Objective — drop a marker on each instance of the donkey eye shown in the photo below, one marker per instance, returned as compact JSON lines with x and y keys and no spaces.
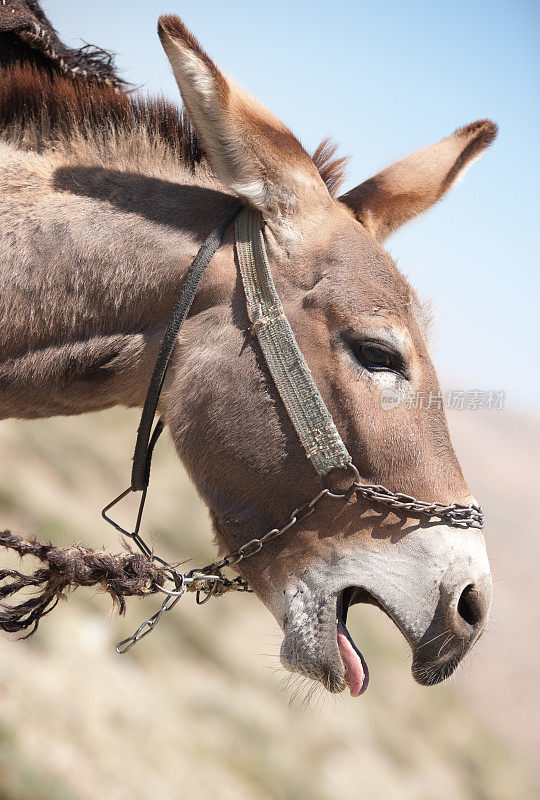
{"x":374,"y":357}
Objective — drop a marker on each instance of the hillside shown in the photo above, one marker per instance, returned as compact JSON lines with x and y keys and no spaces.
{"x":499,"y":453}
{"x":201,"y":708}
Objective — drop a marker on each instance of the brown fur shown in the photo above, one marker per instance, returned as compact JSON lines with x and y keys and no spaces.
{"x":331,"y":169}
{"x":172,"y":26}
{"x":97,"y":230}
{"x":55,"y":107}
{"x":27,"y":36}
{"x":390,"y":199}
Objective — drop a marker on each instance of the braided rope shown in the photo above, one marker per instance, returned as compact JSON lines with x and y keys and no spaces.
{"x":64,"y":569}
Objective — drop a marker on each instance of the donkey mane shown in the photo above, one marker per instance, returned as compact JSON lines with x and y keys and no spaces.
{"x":39,"y":108}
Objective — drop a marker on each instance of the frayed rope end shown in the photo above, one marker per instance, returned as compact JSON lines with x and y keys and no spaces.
{"x":64,"y":569}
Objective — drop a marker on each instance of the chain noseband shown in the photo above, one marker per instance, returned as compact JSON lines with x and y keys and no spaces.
{"x":303,"y":402}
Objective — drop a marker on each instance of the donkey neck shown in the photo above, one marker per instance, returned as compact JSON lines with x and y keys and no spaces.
{"x":91,"y":271}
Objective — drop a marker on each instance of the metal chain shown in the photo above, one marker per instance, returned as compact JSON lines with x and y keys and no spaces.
{"x":209,"y":581}
{"x":466,"y":516}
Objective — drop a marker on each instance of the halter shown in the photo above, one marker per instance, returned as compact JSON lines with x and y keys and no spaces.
{"x":308,"y":413}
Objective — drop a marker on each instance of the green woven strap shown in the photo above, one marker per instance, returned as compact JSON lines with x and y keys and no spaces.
{"x":294,"y":382}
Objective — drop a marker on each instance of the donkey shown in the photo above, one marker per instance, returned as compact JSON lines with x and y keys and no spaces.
{"x":105,"y":199}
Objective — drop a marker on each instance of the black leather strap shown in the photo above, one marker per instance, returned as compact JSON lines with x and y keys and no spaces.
{"x":146,"y":439}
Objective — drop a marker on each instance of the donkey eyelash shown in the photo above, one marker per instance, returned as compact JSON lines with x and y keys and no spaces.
{"x":377,"y":356}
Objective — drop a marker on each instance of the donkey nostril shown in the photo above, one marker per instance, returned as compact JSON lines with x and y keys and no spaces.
{"x":470,"y":606}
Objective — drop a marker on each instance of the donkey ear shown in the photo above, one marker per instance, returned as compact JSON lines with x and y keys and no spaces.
{"x":409,"y":187}
{"x":251,"y":152}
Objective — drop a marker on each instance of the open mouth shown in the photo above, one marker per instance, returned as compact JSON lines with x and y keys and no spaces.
{"x":356,"y":669}
{"x":318,"y":644}
{"x":354,"y":663}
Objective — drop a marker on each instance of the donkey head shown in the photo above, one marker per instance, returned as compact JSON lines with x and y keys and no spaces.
{"x":362,"y":330}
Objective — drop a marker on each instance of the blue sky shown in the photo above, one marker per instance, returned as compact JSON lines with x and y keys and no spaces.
{"x":385,"y":79}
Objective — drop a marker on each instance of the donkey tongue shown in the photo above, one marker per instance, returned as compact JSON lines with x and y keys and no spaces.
{"x":356,"y":671}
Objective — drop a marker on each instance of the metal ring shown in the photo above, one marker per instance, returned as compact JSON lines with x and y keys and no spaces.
{"x":170,"y":593}
{"x":125,"y":645}
{"x":202,"y":576}
{"x":342,"y":495}
{"x":208,"y":593}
